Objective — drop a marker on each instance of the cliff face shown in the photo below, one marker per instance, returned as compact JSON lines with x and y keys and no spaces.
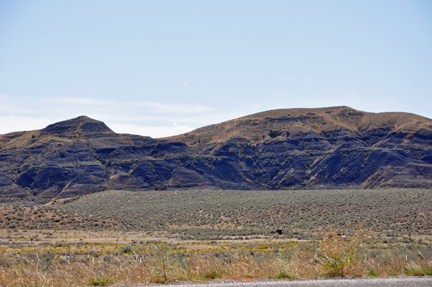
{"x":281,"y":149}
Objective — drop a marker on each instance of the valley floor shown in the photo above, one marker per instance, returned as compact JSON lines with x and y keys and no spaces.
{"x":201,"y":235}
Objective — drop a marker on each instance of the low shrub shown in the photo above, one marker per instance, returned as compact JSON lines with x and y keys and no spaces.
{"x":100,"y":281}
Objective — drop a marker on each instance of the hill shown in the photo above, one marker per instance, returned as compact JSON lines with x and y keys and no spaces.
{"x":322,"y":148}
{"x":336,"y":147}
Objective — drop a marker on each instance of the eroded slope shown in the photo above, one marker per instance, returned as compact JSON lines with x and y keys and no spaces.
{"x":335,"y":147}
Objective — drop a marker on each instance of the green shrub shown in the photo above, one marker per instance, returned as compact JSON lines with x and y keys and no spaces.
{"x":274,"y":134}
{"x":126,"y":249}
{"x":100,"y":281}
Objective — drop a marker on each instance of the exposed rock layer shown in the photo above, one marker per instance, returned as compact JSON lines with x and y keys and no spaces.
{"x":335,"y":147}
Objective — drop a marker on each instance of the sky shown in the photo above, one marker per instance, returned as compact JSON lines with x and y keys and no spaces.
{"x":160,"y":68}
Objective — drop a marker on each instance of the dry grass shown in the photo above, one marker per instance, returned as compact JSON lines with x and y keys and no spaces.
{"x":298,"y":121}
{"x":340,"y":253}
{"x":193,"y":267}
{"x":330,"y":256}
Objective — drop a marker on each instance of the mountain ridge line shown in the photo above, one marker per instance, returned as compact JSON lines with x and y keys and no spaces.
{"x":307,"y":148}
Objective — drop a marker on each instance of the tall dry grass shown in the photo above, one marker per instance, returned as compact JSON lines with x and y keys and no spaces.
{"x":340,"y":252}
{"x":98,"y":271}
{"x":330,"y":256}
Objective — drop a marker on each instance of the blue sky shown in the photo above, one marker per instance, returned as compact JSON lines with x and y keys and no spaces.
{"x":161,"y":68}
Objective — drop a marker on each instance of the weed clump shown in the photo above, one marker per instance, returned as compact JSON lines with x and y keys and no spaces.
{"x":100,"y":281}
{"x":126,"y":250}
{"x":282,"y":275}
{"x":212,"y":274}
{"x":340,"y":252}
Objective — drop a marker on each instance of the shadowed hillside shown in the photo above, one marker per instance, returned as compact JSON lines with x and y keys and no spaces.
{"x":322,"y":148}
{"x":335,"y":147}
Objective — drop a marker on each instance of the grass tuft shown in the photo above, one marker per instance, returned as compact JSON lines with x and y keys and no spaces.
{"x":282,"y":275}
{"x":100,"y":281}
{"x":212,"y":274}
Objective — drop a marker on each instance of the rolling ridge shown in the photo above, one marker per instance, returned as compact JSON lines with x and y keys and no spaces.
{"x":324,"y":148}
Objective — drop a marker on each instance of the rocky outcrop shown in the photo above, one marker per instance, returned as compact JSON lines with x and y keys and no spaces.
{"x":335,"y":147}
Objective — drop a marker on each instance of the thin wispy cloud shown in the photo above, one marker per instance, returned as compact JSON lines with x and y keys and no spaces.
{"x":11,"y":123}
{"x":176,"y":108}
{"x":148,"y":118}
{"x":172,"y":108}
{"x":80,"y":101}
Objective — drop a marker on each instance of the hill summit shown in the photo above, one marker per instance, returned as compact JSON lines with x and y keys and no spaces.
{"x":77,"y":126}
{"x":334,"y":147}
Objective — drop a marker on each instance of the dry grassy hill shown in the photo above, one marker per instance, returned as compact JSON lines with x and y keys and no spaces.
{"x":336,"y":147}
{"x":334,"y":122}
